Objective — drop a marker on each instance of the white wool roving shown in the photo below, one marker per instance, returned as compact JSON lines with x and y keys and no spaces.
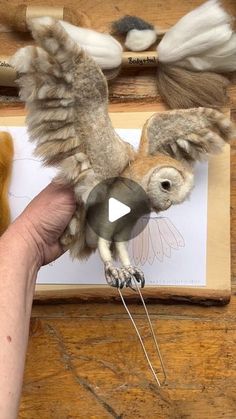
{"x":104,"y":49}
{"x":205,"y":27}
{"x":139,"y":40}
{"x":221,"y":58}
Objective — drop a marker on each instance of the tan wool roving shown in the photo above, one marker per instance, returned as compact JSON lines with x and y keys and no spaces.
{"x":6,"y":159}
{"x":17,"y":17}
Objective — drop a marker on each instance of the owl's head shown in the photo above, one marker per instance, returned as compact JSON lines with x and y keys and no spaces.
{"x":171,"y":143}
{"x":168,"y":185}
{"x":165,"y":180}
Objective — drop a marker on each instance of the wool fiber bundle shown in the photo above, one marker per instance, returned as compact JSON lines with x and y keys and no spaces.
{"x":191,"y":59}
{"x":6,"y":159}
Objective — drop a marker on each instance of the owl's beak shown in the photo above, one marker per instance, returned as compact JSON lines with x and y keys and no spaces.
{"x":164,"y":207}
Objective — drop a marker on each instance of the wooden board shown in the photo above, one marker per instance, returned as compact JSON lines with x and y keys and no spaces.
{"x":218,"y":288}
{"x":83,"y":359}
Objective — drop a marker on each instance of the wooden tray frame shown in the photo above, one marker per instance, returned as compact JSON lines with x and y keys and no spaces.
{"x":218,"y":288}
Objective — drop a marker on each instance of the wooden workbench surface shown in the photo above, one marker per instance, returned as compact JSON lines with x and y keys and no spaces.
{"x":84,"y":361}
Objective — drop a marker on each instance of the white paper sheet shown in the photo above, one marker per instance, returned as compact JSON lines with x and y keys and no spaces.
{"x":170,"y":251}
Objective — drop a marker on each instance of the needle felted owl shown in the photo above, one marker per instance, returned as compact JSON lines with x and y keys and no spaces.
{"x":67,"y":100}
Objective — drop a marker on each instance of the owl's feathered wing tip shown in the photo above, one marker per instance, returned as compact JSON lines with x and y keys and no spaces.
{"x":188,"y":135}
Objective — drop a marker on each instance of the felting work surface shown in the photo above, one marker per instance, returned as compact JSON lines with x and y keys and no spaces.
{"x":180,"y":258}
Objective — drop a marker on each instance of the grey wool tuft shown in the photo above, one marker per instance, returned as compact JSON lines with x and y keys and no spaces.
{"x":127,"y":23}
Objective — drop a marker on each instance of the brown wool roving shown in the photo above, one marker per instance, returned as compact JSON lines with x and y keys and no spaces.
{"x":16,"y":17}
{"x":181,"y":88}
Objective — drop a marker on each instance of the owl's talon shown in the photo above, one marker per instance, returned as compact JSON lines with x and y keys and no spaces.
{"x":114,"y":276}
{"x":120,"y":277}
{"x":130,"y":285}
{"x":134,"y":273}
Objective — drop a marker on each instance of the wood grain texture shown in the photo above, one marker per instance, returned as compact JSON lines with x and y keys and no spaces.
{"x":84,"y":360}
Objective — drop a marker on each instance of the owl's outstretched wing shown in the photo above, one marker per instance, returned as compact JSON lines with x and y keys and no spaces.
{"x":187,"y":135}
{"x":67,"y":99}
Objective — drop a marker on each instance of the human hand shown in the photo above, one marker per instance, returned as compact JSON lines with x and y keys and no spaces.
{"x":44,"y":220}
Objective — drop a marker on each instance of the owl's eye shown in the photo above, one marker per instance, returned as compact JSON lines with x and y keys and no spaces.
{"x":166,"y":185}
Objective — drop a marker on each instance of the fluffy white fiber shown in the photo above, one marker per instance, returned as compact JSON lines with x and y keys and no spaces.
{"x":139,"y":40}
{"x":220,"y":59}
{"x":204,"y":28}
{"x":104,"y":49}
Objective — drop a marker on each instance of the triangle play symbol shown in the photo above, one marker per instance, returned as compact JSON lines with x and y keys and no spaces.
{"x":116,"y":209}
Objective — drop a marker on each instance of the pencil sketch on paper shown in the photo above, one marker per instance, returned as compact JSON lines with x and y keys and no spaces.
{"x":158,"y":239}
{"x":29,"y":177}
{"x":19,"y":167}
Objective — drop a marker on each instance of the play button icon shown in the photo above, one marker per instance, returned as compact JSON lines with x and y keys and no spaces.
{"x":116,"y":209}
{"x":115,"y":206}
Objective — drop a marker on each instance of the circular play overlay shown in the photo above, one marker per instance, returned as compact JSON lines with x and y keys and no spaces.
{"x":114,"y":207}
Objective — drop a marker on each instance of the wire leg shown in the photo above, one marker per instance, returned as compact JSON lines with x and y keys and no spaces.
{"x":140,"y":338}
{"x":152,"y":331}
